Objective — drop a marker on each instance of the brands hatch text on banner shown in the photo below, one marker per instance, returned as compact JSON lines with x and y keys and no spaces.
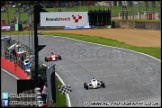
{"x":64,"y":18}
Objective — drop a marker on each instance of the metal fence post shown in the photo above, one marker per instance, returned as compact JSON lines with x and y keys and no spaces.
{"x":160,"y":13}
{"x":32,"y":36}
{"x":29,"y":26}
{"x":146,"y":3}
{"x":49,"y":96}
{"x":133,"y":10}
{"x":153,"y":10}
{"x":139,"y":8}
{"x":122,"y":13}
{"x":18,"y":18}
{"x":76,"y":6}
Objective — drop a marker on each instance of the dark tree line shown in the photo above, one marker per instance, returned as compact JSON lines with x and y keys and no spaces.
{"x":46,"y":2}
{"x":22,"y":2}
{"x":30,"y":2}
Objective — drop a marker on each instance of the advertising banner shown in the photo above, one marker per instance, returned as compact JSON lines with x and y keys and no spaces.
{"x":5,"y":27}
{"x":64,"y":19}
{"x":3,"y":22}
{"x":76,"y":27}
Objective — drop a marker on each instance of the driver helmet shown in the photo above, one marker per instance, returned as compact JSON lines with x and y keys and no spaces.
{"x":52,"y":53}
{"x":93,"y":79}
{"x":39,"y":76}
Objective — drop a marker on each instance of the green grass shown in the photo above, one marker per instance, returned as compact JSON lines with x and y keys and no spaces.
{"x":60,"y":99}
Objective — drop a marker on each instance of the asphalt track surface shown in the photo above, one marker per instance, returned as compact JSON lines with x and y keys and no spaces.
{"x":8,"y":82}
{"x":129,"y":76}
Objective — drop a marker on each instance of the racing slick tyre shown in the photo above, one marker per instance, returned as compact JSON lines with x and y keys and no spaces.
{"x":102,"y":84}
{"x":86,"y":86}
{"x":59,"y":57}
{"x":46,"y":59}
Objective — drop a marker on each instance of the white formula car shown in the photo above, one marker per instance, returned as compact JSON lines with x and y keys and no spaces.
{"x":93,"y":84}
{"x":3,"y":38}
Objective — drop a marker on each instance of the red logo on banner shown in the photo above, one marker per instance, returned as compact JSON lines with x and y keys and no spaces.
{"x":76,"y":19}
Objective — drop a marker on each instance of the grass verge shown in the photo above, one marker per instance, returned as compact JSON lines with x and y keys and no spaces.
{"x":60,"y":99}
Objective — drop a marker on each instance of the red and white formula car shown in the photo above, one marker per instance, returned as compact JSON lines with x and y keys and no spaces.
{"x":52,"y":57}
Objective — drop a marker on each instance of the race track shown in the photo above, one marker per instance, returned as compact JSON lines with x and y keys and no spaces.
{"x":8,"y":83}
{"x":128,"y":76}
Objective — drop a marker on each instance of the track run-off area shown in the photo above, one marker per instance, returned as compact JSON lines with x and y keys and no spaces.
{"x":129,"y":76}
{"x":8,"y":82}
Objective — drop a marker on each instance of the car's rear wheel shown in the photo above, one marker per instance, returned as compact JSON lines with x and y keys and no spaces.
{"x":102,"y":84}
{"x":59,"y":57}
{"x":86,"y":86}
{"x":46,"y":59}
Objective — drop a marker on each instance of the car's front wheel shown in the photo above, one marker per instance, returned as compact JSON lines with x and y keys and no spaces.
{"x":46,"y":59}
{"x":102,"y":84}
{"x":86,"y":86}
{"x":59,"y":57}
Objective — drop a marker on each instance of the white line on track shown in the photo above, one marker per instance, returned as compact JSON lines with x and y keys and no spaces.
{"x":67,"y":95}
{"x":10,"y":74}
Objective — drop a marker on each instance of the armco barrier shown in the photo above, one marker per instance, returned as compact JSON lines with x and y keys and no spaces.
{"x":13,"y":68}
